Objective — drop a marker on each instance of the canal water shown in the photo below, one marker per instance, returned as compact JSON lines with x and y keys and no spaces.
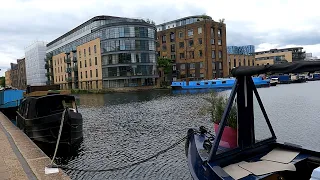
{"x":123,"y":128}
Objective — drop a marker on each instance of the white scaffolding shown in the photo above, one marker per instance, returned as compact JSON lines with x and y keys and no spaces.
{"x":35,"y":63}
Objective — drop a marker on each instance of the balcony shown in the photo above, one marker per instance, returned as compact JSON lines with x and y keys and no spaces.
{"x":67,"y":60}
{"x":74,"y":59}
{"x":68,"y":70}
{"x":75,"y":68}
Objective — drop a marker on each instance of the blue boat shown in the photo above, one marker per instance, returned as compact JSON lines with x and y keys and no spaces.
{"x":223,"y":83}
{"x":240,"y":150}
{"x":10,"y":98}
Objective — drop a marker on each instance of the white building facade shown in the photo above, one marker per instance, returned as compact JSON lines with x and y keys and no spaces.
{"x":35,"y":64}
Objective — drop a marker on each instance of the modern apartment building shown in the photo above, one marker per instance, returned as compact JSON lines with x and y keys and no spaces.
{"x":275,"y":56}
{"x":104,"y":52}
{"x":18,"y":74}
{"x":197,"y":46}
{"x":8,"y":77}
{"x":240,"y":56}
{"x":35,"y":66}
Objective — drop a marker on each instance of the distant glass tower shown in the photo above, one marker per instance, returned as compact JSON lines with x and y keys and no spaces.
{"x":245,"y":50}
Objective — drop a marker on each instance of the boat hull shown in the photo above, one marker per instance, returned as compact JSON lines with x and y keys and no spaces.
{"x":215,"y":84}
{"x":46,"y":129}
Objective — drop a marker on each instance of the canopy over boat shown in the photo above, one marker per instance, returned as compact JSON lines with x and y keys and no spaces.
{"x":294,"y":67}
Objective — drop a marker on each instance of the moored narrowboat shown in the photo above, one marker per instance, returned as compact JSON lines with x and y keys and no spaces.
{"x":40,"y":119}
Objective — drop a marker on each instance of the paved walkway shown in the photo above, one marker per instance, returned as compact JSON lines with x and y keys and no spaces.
{"x":20,"y":158}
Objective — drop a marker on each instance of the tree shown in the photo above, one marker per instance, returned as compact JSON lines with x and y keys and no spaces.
{"x":2,"y":81}
{"x":166,"y":64}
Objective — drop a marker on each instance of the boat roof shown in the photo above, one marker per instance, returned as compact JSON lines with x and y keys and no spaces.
{"x":51,"y":96}
{"x":294,"y":67}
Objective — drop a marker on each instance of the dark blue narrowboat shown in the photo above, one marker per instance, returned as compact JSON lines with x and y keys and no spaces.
{"x":254,"y":156}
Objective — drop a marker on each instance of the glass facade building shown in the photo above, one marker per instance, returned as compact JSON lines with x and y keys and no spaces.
{"x":128,"y":51}
{"x":244,"y":50}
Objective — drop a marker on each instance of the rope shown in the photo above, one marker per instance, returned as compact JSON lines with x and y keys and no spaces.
{"x":129,"y":165}
{"x":59,"y":136}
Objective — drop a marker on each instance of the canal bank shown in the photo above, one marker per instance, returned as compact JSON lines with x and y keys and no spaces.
{"x":20,"y":158}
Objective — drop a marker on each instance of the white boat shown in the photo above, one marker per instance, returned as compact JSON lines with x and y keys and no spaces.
{"x":274,"y":81}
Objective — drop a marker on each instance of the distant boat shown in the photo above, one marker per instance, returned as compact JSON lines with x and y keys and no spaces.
{"x":223,"y":83}
{"x":40,"y":119}
{"x":274,"y":81}
{"x":10,"y":98}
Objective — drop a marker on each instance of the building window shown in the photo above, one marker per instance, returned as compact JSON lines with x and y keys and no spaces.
{"x":61,"y":68}
{"x":181,"y":44}
{"x":199,"y":30}
{"x":95,"y":61}
{"x":201,"y":75}
{"x":213,"y":54}
{"x":190,"y":43}
{"x":200,"y":40}
{"x":86,"y":74}
{"x":248,"y":62}
{"x":239,"y":63}
{"x":220,"y":54}
{"x":91,"y":73}
{"x":180,"y":34}
{"x":95,"y":48}
{"x":212,"y":41}
{"x":173,"y":56}
{"x":252,"y":62}
{"x":90,"y":62}
{"x":190,"y":32}
{"x":172,"y":47}
{"x":220,"y":65}
{"x":200,"y":53}
{"x":181,"y":55}
{"x":89,"y":51}
{"x":182,"y":66}
{"x":191,"y":54}
{"x":81,"y":75}
{"x":164,"y":47}
{"x":55,"y":62}
{"x":164,"y":39}
{"x":84,"y":52}
{"x":61,"y":78}
{"x":96,"y":72}
{"x":192,"y":65}
{"x":219,"y":42}
{"x":79,"y":53}
{"x":97,"y":84}
{"x":80,"y":64}
{"x":201,"y":64}
{"x":172,"y":37}
{"x":219,"y":32}
{"x":234,"y":63}
{"x":213,"y":65}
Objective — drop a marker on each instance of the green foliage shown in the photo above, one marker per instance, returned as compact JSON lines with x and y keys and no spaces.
{"x":166,"y":64}
{"x":2,"y":81}
{"x":216,"y":109}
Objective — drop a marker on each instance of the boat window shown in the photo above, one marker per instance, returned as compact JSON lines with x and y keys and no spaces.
{"x":223,"y":82}
{"x":214,"y":83}
{"x":198,"y":84}
{"x":206,"y":83}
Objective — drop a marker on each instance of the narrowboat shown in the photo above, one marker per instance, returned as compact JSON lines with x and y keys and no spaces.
{"x":313,"y":77}
{"x":10,"y":98}
{"x":40,"y":119}
{"x":222,"y":83}
{"x":253,"y":155}
{"x":283,"y":79}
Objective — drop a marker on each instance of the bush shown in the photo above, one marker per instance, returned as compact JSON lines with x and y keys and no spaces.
{"x":218,"y":103}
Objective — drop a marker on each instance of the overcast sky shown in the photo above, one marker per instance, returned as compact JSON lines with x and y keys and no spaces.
{"x":264,"y":23}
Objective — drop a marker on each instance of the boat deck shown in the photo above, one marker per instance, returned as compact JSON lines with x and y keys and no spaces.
{"x":20,"y":158}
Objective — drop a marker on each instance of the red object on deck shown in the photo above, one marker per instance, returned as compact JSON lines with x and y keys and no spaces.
{"x":229,"y":136}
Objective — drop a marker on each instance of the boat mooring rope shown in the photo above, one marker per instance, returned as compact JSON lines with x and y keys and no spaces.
{"x":129,"y":165}
{"x":59,"y":136}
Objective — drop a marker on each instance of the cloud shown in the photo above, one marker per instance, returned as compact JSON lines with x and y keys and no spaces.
{"x":265,"y":24}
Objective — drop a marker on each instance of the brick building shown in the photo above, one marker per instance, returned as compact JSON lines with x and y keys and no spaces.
{"x":18,"y":74}
{"x":197,"y":46}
